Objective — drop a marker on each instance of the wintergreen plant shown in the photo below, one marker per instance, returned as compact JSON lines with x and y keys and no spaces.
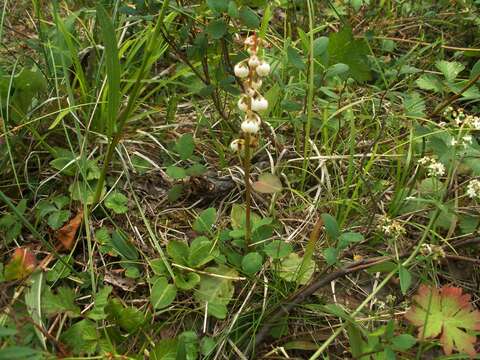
{"x":250,"y":71}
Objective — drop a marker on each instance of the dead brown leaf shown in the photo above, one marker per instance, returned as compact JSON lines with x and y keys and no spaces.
{"x":66,"y":234}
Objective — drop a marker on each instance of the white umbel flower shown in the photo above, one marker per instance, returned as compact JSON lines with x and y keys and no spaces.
{"x":263,"y":69}
{"x":242,"y":104}
{"x":259,"y":104}
{"x":253,"y":61}
{"x":250,"y":126}
{"x":436,"y":169}
{"x":473,"y":189}
{"x":241,"y":70}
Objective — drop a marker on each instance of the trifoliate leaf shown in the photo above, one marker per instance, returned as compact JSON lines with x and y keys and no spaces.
{"x":447,"y":313}
{"x":450,"y":69}
{"x":62,"y":302}
{"x":429,"y":82}
{"x":81,"y":337}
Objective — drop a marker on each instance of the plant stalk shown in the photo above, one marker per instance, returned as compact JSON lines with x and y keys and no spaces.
{"x":248,"y":193}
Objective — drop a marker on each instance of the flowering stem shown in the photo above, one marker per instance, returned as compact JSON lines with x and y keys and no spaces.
{"x":246,"y":168}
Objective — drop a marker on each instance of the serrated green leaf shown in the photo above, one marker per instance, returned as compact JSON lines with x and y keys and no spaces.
{"x":81,"y":337}
{"x":185,"y":146}
{"x":117,"y":202}
{"x":414,"y":104}
{"x":450,"y":69}
{"x":61,"y":302}
{"x":429,"y":82}
{"x":176,"y":172}
{"x":101,"y":301}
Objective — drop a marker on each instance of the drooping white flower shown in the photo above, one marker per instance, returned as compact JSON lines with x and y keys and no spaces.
{"x":250,"y":91}
{"x":257,"y":84}
{"x":242,"y":104}
{"x":259,"y":104}
{"x":250,"y":127}
{"x":263,"y":69}
{"x":253,"y":61}
{"x":236,"y":145}
{"x":241,"y":70}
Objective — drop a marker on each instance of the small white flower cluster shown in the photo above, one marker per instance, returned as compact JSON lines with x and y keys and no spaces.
{"x":389,"y":227}
{"x":251,"y":102}
{"x":466,"y":140}
{"x":462,"y":119}
{"x":436,"y":251}
{"x":434,"y":168}
{"x":473,"y":189}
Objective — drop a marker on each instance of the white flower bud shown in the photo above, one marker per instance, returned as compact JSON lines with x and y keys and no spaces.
{"x":259,"y":104}
{"x":263,"y":69}
{"x":236,"y":145}
{"x":253,"y":61}
{"x":242,"y":105}
{"x":241,"y":70}
{"x":257,"y":84}
{"x":250,"y":127}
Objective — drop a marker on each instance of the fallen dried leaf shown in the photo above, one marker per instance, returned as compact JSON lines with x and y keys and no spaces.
{"x":66,"y":234}
{"x":22,"y":264}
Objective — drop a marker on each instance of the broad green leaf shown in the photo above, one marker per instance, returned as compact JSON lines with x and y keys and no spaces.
{"x":61,"y":302}
{"x":187,"y":281}
{"x":166,"y":349}
{"x":405,"y":279}
{"x":201,"y":252}
{"x":252,"y":263}
{"x":81,"y":337}
{"x":187,"y":346}
{"x":117,"y":202}
{"x":295,"y":59}
{"x":101,"y":300}
{"x":248,"y":17}
{"x":162,"y":294}
{"x":267,"y":184}
{"x":320,"y":46}
{"x":337,"y":70}
{"x":450,"y":69}
{"x":277,"y":249}
{"x":403,"y":342}
{"x":57,"y":218}
{"x":429,"y":82}
{"x":214,"y":293}
{"x":343,"y":48}
{"x":129,"y":319}
{"x":331,"y":255}
{"x":175,"y":192}
{"x":176,"y":172}
{"x":123,"y":247}
{"x":205,"y":220}
{"x":237,"y":217}
{"x":18,"y":352}
{"x":178,"y":251}
{"x":475,"y":70}
{"x":196,"y":170}
{"x":290,"y":265}
{"x":331,"y":226}
{"x":217,"y":29}
{"x":185,"y":146}
{"x":414,"y":104}
{"x":218,"y":6}
{"x":348,"y":238}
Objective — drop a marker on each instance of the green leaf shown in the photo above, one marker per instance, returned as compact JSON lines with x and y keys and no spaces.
{"x":475,"y":70}
{"x":238,"y":218}
{"x":337,"y":70}
{"x":162,"y":294}
{"x":252,"y":263}
{"x":176,"y":172}
{"x":122,"y":247}
{"x":450,"y":69}
{"x":248,"y":17}
{"x":343,"y":48}
{"x":166,"y":349}
{"x":101,"y":301}
{"x":277,"y":249}
{"x":267,"y":184}
{"x":205,"y":220}
{"x":218,"y":6}
{"x":178,"y":251}
{"x":112,"y":66}
{"x":414,"y":104}
{"x":405,"y":279}
{"x":403,"y":342}
{"x":214,"y":293}
{"x":429,"y":82}
{"x":61,"y":269}
{"x":348,"y":238}
{"x":18,"y":352}
{"x":217,"y":29}
{"x":81,"y":337}
{"x":320,"y":46}
{"x":295,"y":59}
{"x":331,"y":226}
{"x":117,"y":202}
{"x":188,"y":346}
{"x":21,"y":264}
{"x":57,"y":218}
{"x":129,"y":319}
{"x":290,"y":265}
{"x":187,"y":282}
{"x":175,"y":192}
{"x":62,"y":302}
{"x":196,"y":170}
{"x":185,"y":146}
{"x":201,"y":252}
{"x":331,"y":255}
{"x":233,"y":10}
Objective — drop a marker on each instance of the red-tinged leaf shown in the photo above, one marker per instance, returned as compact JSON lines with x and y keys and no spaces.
{"x":267,"y":184}
{"x":66,"y":234}
{"x":22,"y":264}
{"x":448,"y":313}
